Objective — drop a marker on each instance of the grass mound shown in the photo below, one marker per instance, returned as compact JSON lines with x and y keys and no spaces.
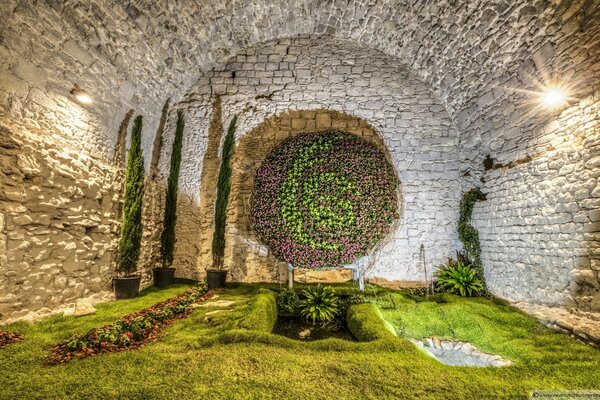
{"x":262,"y":313}
{"x":366,"y":324}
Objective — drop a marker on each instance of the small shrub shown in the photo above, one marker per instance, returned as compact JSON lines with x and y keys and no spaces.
{"x":288,"y":302}
{"x":320,"y":305}
{"x":459,"y":278}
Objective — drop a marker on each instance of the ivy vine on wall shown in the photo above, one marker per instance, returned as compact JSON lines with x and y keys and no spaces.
{"x":467,"y":234}
{"x":324,"y":199}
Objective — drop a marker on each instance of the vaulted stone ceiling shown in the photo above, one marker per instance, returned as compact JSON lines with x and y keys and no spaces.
{"x":137,"y":52}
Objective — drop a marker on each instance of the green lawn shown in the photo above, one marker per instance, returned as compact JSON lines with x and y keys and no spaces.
{"x":212,"y":358}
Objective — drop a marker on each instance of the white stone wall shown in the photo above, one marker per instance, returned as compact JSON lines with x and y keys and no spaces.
{"x":310,"y":73}
{"x":477,"y":58}
{"x":539,"y":227}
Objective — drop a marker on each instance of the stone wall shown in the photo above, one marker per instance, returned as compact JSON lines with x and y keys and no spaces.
{"x":57,"y":224}
{"x":539,"y":227}
{"x":481,"y":60}
{"x":281,"y":88}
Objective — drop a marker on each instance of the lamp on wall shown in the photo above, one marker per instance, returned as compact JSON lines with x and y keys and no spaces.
{"x":81,"y":96}
{"x":553,"y":96}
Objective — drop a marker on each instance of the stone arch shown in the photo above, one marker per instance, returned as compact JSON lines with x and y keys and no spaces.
{"x":311,"y":73}
{"x":248,"y":259}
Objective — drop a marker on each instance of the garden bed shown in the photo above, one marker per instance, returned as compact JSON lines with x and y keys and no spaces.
{"x":295,"y":328}
{"x":132,"y":331}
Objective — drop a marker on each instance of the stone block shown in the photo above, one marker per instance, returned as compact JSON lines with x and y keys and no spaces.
{"x":323,"y":121}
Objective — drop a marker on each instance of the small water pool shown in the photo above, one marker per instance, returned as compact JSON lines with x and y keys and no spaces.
{"x":461,"y":354}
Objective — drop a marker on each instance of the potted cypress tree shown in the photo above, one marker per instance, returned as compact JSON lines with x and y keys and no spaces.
{"x":216,"y":276}
{"x":127,"y":281}
{"x":165,"y":275}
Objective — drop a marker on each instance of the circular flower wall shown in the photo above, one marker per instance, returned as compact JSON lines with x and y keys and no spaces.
{"x":324,"y":199}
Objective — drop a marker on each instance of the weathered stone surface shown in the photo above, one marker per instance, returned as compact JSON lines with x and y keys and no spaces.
{"x":419,"y":141}
{"x":303,"y":275}
{"x":582,"y":325}
{"x":218,"y":303}
{"x":447,"y":95}
{"x":83,"y":307}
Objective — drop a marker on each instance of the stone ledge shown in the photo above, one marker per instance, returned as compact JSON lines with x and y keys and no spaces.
{"x":583,"y":326}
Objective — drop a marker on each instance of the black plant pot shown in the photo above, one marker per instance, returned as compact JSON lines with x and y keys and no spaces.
{"x":163,"y":277}
{"x":216,"y":278}
{"x":126,"y":288}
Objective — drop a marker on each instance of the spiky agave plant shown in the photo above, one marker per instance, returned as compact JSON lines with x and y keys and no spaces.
{"x":459,"y":278}
{"x":320,"y":305}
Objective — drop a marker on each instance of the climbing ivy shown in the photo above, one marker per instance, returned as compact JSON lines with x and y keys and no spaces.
{"x":223,"y":187}
{"x":467,"y":234}
{"x":167,"y":238}
{"x":131,"y":228}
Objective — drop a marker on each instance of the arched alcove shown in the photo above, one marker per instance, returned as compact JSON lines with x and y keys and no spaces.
{"x":249,"y":260}
{"x":318,"y":82}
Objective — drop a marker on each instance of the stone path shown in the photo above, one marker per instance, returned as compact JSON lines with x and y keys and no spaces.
{"x":218,"y":303}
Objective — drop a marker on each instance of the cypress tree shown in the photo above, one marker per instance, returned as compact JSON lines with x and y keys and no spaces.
{"x":131,"y":228}
{"x":167,"y":238}
{"x":223,"y":187}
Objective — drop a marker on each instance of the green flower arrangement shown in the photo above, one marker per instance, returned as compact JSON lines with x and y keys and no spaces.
{"x":324,"y":199}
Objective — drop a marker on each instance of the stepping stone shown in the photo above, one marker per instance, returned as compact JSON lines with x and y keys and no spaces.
{"x":83,"y":307}
{"x":218,"y":303}
{"x":208,"y":314}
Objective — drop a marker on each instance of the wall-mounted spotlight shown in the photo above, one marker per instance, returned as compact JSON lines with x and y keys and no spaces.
{"x":553,"y":96}
{"x":81,"y":96}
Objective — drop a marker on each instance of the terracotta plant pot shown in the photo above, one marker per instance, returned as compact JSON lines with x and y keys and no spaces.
{"x":163,"y":277}
{"x":216,"y":278}
{"x":127,"y":287}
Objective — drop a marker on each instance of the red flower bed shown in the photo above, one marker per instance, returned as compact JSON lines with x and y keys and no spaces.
{"x":7,"y":338}
{"x":131,"y":331}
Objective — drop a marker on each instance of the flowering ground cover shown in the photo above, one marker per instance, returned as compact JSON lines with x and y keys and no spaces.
{"x":131,"y":331}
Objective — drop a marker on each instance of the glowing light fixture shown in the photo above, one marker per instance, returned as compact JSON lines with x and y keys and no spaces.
{"x":553,"y":96}
{"x":81,"y":96}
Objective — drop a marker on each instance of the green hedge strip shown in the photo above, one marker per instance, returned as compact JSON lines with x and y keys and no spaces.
{"x":366,"y":323}
{"x":262,"y":314}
